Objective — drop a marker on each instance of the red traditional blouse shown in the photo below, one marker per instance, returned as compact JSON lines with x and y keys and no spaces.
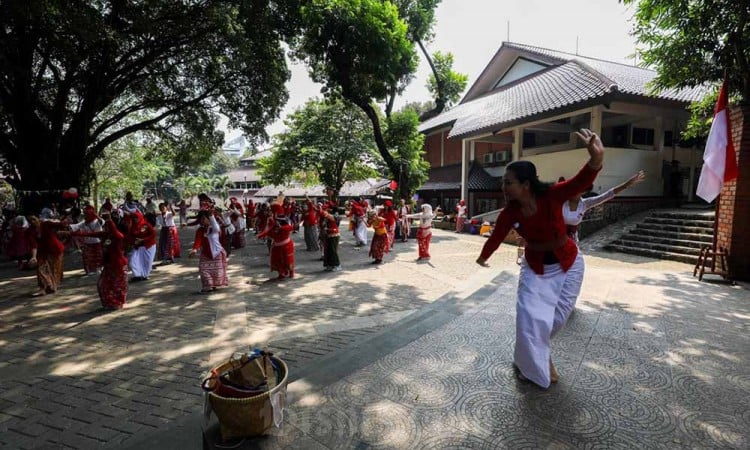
{"x":546,"y":228}
{"x":390,"y":216}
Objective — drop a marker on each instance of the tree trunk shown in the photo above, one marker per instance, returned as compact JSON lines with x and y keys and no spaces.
{"x":440,"y":98}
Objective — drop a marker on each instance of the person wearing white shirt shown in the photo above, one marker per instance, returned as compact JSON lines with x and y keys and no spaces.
{"x":575,"y":209}
{"x":169,"y":241}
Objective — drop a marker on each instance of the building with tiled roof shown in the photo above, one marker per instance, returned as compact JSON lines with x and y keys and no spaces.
{"x":245,"y":178}
{"x":369,"y":188}
{"x":527,"y":104}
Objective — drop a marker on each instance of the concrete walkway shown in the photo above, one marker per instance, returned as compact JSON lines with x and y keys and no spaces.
{"x":402,"y":355}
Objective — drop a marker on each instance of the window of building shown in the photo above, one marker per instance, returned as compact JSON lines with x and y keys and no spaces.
{"x":643,"y":136}
{"x":668,"y":138}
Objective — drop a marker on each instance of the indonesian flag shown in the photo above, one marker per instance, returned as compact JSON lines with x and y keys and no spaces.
{"x":719,"y":158}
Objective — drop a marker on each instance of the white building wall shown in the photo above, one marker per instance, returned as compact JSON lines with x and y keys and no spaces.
{"x":619,"y":165}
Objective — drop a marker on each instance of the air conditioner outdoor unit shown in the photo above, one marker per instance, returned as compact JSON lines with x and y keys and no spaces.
{"x":503,"y":156}
{"x":488,"y":157}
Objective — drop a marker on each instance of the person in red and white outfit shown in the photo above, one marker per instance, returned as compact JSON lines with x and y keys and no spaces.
{"x":424,"y":232}
{"x":212,"y":265}
{"x":310,"y":225}
{"x":143,"y":238}
{"x":552,"y":269}
{"x":282,"y":248}
{"x":403,"y":220}
{"x":380,"y":244}
{"x":113,"y":282}
{"x":460,"y":216}
{"x":169,"y":241}
{"x":391,"y":218}
{"x":91,"y":246}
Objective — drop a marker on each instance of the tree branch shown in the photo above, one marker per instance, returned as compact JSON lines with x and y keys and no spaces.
{"x":146,"y":124}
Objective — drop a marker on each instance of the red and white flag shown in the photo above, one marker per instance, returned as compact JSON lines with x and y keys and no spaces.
{"x":719,"y":158}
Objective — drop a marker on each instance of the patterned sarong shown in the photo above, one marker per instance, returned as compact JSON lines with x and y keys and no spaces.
{"x":167,"y":243}
{"x":113,"y":288}
{"x":92,"y":256}
{"x":379,"y":246}
{"x":282,"y":259}
{"x":49,"y":272}
{"x":213,"y":271}
{"x":238,"y":239}
{"x":424,"y":235}
{"x":311,"y":238}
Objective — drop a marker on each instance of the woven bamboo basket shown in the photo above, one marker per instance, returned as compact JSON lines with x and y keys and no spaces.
{"x":253,"y":416}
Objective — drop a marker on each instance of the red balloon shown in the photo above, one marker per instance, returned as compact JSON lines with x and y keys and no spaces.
{"x":393,"y":185}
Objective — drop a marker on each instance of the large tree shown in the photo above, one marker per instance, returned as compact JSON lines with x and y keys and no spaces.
{"x":77,"y":76}
{"x":692,"y":42}
{"x":364,"y":50}
{"x":327,"y":142}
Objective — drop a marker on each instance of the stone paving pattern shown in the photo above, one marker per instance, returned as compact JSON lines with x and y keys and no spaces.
{"x":400,"y":355}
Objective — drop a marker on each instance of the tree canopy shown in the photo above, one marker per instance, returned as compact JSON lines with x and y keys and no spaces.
{"x":327,"y":142}
{"x":364,"y":51}
{"x":75,"y":77}
{"x":692,"y":42}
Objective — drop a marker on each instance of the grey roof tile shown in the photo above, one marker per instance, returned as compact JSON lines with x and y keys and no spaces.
{"x":547,"y":90}
{"x":576,"y":79}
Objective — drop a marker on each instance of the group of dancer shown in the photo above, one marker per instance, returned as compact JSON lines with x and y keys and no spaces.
{"x":545,"y":215}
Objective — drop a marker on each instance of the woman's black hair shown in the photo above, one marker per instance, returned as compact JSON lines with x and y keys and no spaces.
{"x":203,"y":213}
{"x":526,"y":171}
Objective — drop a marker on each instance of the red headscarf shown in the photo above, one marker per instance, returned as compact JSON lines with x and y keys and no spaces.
{"x":89,"y":213}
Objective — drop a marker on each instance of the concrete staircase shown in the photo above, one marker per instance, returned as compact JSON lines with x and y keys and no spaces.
{"x":676,"y":235}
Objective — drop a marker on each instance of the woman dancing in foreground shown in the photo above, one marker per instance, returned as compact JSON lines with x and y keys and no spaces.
{"x":552,"y":271}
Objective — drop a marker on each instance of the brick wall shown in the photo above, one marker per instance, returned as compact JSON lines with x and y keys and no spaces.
{"x":432,"y":149}
{"x":733,"y":213}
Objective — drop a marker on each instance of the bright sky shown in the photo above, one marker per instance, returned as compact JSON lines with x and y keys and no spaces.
{"x":473,"y":30}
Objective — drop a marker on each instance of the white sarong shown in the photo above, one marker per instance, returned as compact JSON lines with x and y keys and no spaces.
{"x":544,"y":305}
{"x":360,"y":231}
{"x":141,"y":260}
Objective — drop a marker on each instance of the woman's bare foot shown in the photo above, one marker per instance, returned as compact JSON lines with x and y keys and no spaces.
{"x":553,"y":375}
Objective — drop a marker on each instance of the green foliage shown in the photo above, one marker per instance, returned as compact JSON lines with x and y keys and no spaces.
{"x":359,"y":48}
{"x":127,"y":165}
{"x":419,"y":16}
{"x":220,"y":164}
{"x":76,"y":77}
{"x":419,"y":107}
{"x":452,"y":83}
{"x":327,"y":142}
{"x":693,"y":42}
{"x":6,"y":193}
{"x":221,"y":184}
{"x":364,"y":51}
{"x":407,"y":144}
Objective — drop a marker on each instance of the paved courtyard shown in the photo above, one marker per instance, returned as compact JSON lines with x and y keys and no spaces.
{"x":402,"y":355}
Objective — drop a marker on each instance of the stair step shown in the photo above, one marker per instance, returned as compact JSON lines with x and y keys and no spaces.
{"x":680,"y":221}
{"x":699,"y":237}
{"x":625,"y":242}
{"x":686,"y":215}
{"x":674,"y":241}
{"x":657,"y":254}
{"x":675,"y":228}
